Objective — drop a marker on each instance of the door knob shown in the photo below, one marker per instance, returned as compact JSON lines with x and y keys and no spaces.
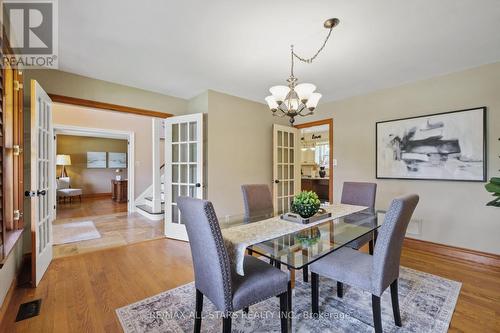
{"x":42,"y":192}
{"x":277,"y":181}
{"x":197,"y":185}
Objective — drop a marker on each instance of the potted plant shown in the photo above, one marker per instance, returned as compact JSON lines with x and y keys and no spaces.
{"x":306,"y":204}
{"x":494,"y":187}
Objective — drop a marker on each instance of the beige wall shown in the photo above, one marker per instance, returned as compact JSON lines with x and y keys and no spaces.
{"x":452,"y":213}
{"x":10,"y":268}
{"x":238,"y":147}
{"x":89,"y":180}
{"x":67,"y":84}
{"x":64,"y":114}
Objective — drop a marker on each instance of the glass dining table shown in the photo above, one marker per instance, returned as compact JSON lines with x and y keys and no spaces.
{"x":298,"y":250}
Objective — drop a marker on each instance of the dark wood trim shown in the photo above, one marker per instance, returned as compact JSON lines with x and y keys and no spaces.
{"x":456,"y":253}
{"x":107,"y":106}
{"x":328,"y":122}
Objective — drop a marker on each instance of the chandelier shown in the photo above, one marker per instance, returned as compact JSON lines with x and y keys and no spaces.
{"x":297,"y":99}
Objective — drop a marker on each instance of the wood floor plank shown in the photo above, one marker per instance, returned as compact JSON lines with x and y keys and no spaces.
{"x":80,"y":293}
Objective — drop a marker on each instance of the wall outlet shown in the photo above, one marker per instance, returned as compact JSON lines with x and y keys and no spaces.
{"x":414,"y":227}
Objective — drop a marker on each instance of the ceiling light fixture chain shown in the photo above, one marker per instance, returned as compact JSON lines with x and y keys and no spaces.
{"x":297,"y":99}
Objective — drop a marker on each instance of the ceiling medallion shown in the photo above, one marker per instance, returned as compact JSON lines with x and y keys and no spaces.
{"x":297,"y":99}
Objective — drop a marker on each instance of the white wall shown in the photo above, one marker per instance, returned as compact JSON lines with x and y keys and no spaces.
{"x":452,"y":213}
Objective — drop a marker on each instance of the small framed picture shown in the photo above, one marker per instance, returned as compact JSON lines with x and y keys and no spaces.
{"x":117,"y":160}
{"x":96,"y":160}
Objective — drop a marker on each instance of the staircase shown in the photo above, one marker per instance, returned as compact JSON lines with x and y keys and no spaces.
{"x":144,"y":203}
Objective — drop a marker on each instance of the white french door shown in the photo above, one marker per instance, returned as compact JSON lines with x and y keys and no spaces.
{"x":286,"y":166}
{"x":42,"y":191}
{"x":183,"y":168}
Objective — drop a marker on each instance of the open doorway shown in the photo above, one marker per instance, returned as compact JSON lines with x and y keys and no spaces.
{"x":94,"y":199}
{"x":316,"y":158}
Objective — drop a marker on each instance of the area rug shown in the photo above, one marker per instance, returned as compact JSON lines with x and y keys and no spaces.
{"x":427,"y":303}
{"x":74,"y":232}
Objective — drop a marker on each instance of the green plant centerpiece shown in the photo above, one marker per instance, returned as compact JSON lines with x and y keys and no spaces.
{"x":494,"y":187}
{"x":306,"y":204}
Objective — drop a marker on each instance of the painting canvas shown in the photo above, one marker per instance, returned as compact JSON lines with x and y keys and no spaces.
{"x":117,"y":160}
{"x":445,"y":146}
{"x":96,"y":160}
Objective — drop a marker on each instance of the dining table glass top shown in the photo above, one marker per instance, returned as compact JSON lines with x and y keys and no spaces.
{"x":298,"y":249}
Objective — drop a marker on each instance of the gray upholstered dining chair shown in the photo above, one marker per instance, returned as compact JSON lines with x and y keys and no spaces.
{"x":360,"y":194}
{"x":258,"y":202}
{"x":370,"y":273}
{"x":215,"y":279}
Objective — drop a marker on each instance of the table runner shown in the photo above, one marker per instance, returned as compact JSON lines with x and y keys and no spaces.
{"x":237,"y":239}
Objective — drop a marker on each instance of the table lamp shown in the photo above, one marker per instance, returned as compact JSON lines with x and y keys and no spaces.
{"x":63,"y":160}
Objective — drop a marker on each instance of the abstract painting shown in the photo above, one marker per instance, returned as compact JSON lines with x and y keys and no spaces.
{"x":117,"y":160}
{"x":444,"y":146}
{"x":96,"y":160}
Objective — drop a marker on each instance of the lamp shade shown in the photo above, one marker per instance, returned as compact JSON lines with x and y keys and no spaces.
{"x":304,"y":90}
{"x":313,"y":100}
{"x":271,"y":102}
{"x":279,"y":93}
{"x":63,"y":160}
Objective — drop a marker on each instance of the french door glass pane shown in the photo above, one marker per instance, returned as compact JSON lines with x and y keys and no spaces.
{"x":184,"y":152}
{"x":193,"y":175}
{"x":192,"y":152}
{"x":184,"y":173}
{"x":175,"y":173}
{"x":280,"y":138}
{"x":175,"y":133}
{"x":285,"y":141}
{"x":175,"y":153}
{"x":175,"y":192}
{"x":192,"y":131}
{"x":184,"y":136}
{"x":292,"y":142}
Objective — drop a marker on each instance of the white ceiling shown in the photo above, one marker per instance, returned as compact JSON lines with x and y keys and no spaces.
{"x":182,"y":48}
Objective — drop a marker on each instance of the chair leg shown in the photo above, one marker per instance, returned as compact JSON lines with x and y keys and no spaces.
{"x":290,"y":309}
{"x":395,"y":303}
{"x":277,"y":264}
{"x":305,"y":274}
{"x":377,"y":316}
{"x":197,"y":314}
{"x":250,"y":252}
{"x":340,"y":289}
{"x":314,"y":293}
{"x":284,"y":312}
{"x":370,"y":246}
{"x":226,"y":324}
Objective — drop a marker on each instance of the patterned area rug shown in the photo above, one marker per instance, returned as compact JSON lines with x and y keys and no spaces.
{"x":427,"y":303}
{"x":74,"y":232}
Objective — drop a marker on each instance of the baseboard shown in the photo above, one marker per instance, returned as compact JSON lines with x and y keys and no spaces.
{"x":96,"y":195}
{"x":18,"y":279}
{"x":454,"y":252}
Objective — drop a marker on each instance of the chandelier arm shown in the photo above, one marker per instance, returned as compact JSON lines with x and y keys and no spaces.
{"x":310,"y":60}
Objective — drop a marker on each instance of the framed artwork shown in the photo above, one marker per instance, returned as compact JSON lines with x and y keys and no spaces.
{"x":117,"y":160}
{"x":443,"y":146}
{"x":96,"y":160}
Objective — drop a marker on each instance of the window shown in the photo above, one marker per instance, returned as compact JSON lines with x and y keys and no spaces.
{"x":322,"y":154}
{"x":11,"y":158}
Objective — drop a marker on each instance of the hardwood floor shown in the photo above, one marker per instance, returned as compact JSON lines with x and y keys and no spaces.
{"x":80,"y":293}
{"x":117,"y":227}
{"x":102,"y":205}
